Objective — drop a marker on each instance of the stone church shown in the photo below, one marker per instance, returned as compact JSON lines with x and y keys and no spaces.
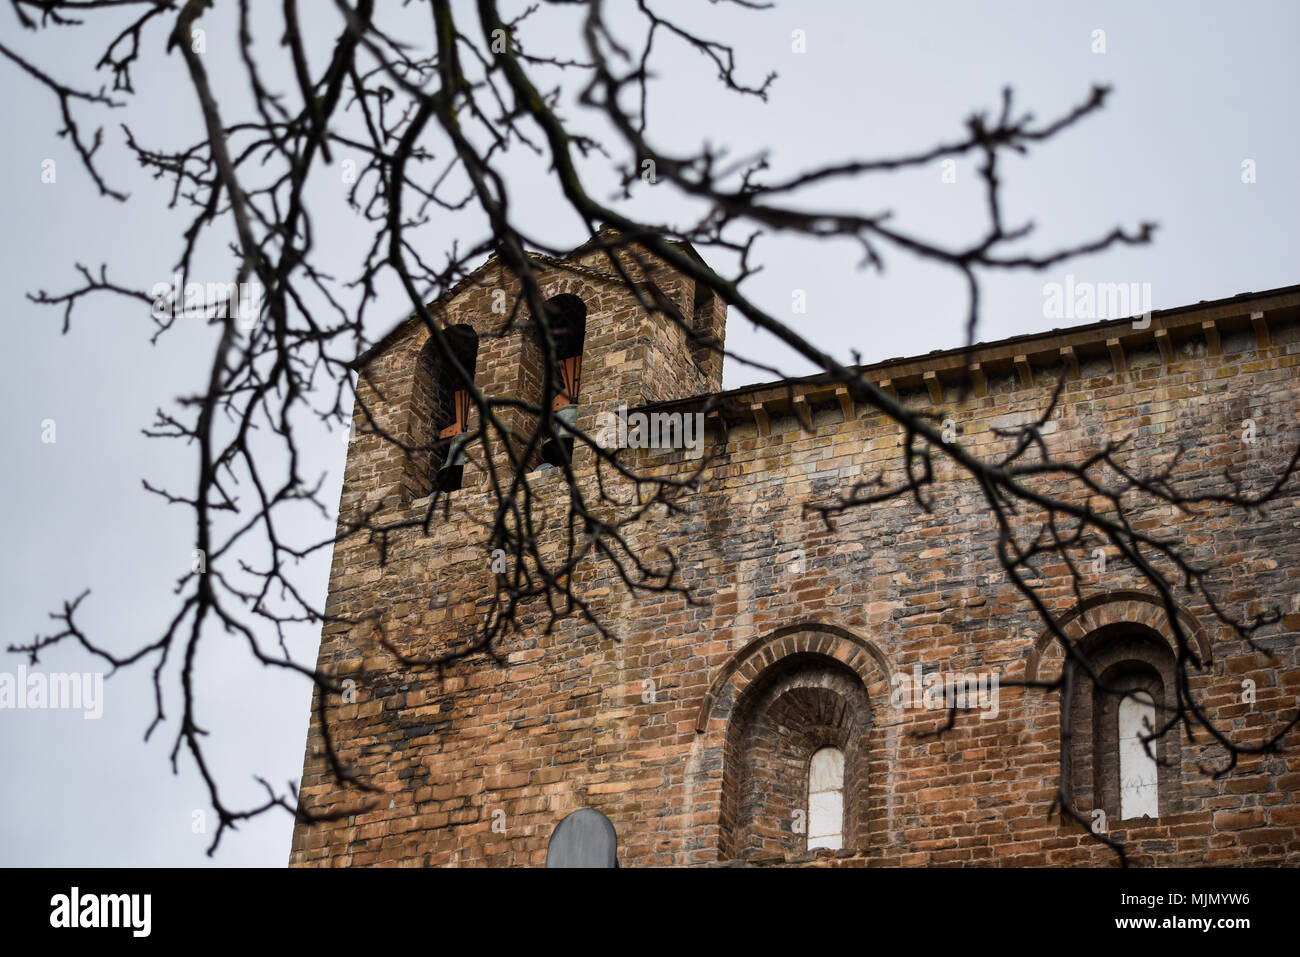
{"x":788,"y":715}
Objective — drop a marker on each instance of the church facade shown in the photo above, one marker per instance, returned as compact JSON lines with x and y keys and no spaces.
{"x":792,"y":713}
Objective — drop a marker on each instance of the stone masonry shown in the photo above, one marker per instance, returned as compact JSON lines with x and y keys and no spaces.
{"x":688,"y":728}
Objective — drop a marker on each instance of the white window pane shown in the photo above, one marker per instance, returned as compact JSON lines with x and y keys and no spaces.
{"x":826,"y":772}
{"x":826,"y":800}
{"x":825,"y":814}
{"x":1139,"y":789}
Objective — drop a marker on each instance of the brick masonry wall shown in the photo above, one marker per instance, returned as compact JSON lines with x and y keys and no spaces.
{"x":479,"y":765}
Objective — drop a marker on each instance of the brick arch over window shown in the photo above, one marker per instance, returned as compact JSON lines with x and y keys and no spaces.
{"x":1128,"y":641}
{"x":780,"y":700}
{"x":1112,"y":608}
{"x":831,"y":641}
{"x":1129,"y":660}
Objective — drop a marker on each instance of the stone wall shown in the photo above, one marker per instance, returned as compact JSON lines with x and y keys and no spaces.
{"x":480,"y":763}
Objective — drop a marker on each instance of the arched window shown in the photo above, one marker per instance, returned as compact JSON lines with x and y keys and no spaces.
{"x":1139,"y":784}
{"x":566,"y":318}
{"x":1109,"y":764}
{"x":440,"y":409}
{"x":826,"y":799}
{"x":795,"y":764}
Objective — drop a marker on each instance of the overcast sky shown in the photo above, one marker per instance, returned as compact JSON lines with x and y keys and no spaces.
{"x":1199,"y":88}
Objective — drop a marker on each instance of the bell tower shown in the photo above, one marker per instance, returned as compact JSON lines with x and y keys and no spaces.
{"x":416,"y":733}
{"x":611,"y":349}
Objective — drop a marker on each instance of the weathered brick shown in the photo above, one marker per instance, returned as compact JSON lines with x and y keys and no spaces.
{"x":485,"y":759}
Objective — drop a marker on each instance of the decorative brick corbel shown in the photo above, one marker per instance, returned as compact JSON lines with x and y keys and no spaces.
{"x":1116,"y":350}
{"x":934,"y":386}
{"x":1025,"y":371}
{"x":845,"y":400}
{"x":1212,"y":342}
{"x":1165,"y":346}
{"x":1261,"y":330}
{"x":1071,"y":362}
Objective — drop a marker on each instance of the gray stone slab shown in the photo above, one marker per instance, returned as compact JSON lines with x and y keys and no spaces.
{"x":585,"y":838}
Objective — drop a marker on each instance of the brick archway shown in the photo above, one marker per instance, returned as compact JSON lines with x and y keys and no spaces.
{"x":856,"y":653}
{"x":771,"y":706}
{"x":1045,"y":658}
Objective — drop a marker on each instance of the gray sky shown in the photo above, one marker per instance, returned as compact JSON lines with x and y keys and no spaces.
{"x":1198,"y":89}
